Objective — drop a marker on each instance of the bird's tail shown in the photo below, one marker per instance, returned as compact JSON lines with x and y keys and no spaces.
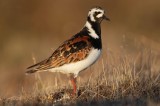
{"x":30,"y":71}
{"x":35,"y":68}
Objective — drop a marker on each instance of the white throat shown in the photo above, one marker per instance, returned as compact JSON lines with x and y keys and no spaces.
{"x":92,"y":32}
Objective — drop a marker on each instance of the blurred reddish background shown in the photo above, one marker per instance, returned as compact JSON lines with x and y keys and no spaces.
{"x":34,"y":28}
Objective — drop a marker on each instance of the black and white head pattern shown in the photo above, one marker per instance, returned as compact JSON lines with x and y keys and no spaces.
{"x":96,"y":14}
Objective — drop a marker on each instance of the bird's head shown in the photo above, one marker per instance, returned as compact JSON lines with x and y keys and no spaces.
{"x":97,"y":14}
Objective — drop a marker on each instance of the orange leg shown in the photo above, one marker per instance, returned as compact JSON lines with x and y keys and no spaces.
{"x":73,"y":81}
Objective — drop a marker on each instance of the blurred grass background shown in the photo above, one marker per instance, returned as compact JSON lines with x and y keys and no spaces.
{"x":34,"y":28}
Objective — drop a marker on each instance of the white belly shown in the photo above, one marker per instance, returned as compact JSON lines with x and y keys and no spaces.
{"x":76,"y":67}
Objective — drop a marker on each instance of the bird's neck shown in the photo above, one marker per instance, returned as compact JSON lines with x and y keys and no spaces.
{"x":93,"y":28}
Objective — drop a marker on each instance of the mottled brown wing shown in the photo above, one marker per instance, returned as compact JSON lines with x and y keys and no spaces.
{"x":71,"y":51}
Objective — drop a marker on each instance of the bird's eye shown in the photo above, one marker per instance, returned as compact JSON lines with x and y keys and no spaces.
{"x":96,"y":13}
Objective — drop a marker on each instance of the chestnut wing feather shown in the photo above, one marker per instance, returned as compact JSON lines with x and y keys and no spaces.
{"x":71,"y":51}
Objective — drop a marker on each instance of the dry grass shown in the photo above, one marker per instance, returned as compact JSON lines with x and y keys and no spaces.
{"x":116,"y":79}
{"x":120,"y":80}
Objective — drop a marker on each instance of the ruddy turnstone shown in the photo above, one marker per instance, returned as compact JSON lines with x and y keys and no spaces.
{"x":77,"y":53}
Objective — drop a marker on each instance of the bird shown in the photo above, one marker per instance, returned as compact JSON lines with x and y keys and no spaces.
{"x":77,"y":53}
